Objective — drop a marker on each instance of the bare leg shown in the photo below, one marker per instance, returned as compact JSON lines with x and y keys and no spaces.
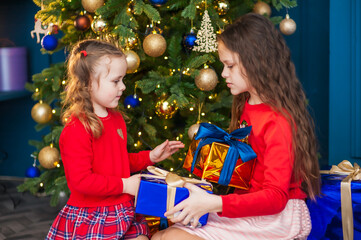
{"x":174,"y":234}
{"x":140,"y":237}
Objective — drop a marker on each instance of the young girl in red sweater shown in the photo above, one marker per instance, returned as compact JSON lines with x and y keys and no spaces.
{"x":93,"y":148}
{"x":267,"y":96}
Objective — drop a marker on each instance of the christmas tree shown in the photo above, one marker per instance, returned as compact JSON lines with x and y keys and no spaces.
{"x":171,"y":87}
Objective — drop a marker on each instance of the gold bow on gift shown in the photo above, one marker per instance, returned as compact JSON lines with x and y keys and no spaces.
{"x":173,"y":181}
{"x":354,"y":173}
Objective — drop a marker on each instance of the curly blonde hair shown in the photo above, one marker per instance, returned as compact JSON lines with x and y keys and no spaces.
{"x":82,"y":61}
{"x":270,"y":70}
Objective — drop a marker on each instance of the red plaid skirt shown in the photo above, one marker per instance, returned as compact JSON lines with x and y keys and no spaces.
{"x":110,"y":222}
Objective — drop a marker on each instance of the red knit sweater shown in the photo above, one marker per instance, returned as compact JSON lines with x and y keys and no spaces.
{"x":94,"y":168}
{"x":272,"y":183}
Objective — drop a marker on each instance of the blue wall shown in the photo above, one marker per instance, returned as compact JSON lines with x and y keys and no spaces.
{"x":310,"y":52}
{"x":345,"y":81}
{"x":16,"y":124}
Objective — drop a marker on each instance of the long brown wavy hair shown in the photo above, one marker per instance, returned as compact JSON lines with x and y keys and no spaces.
{"x":267,"y":60}
{"x":81,"y":65}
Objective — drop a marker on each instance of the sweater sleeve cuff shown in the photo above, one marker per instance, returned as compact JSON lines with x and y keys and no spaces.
{"x":224,"y":206}
{"x":147,"y":160}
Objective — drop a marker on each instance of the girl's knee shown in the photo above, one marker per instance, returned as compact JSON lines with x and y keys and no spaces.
{"x":158,"y":235}
{"x":171,"y":234}
{"x":140,"y":237}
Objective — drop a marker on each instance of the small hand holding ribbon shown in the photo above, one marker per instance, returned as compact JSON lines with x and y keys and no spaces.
{"x":173,"y":181}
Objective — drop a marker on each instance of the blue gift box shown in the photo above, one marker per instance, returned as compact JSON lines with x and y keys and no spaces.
{"x":152,"y":198}
{"x":326,"y":211}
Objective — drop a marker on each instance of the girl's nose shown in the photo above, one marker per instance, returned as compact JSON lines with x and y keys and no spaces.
{"x":224,"y":73}
{"x":122,"y":86}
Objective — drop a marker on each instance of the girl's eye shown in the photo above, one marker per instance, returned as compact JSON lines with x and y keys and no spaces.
{"x":116,"y":81}
{"x":230,"y":66}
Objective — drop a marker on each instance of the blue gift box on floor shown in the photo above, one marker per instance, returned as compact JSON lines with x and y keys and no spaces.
{"x":152,"y":198}
{"x":326,"y":211}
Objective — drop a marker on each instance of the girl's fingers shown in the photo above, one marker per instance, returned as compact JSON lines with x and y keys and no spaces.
{"x":187,"y":219}
{"x":192,"y":188}
{"x":176,"y":208}
{"x":164,"y":144}
{"x":195,"y":222}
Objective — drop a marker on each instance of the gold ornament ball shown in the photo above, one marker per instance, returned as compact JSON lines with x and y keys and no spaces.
{"x":288,"y":26}
{"x":193,"y":130}
{"x":207,"y":79}
{"x":165,"y":109}
{"x":222,"y":7}
{"x":133,"y":61}
{"x":41,"y":113}
{"x":92,"y":5}
{"x":262,"y":8}
{"x":154,"y":45}
{"x":99,"y":25}
{"x":49,"y":157}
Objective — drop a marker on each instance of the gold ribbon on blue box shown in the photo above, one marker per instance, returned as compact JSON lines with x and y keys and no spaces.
{"x":352,"y":173}
{"x":161,"y":190}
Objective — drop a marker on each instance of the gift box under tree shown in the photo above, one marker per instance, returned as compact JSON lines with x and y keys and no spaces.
{"x":336,"y":214}
{"x":160,"y":190}
{"x":221,"y":157}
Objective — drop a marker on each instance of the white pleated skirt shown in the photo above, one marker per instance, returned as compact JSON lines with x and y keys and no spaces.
{"x":292,"y":223}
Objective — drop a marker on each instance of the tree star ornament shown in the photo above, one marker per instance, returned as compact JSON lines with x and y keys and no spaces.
{"x":206,"y":38}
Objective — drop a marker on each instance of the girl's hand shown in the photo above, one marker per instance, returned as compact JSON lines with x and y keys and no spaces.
{"x":131,"y":184}
{"x":165,"y":150}
{"x":195,"y":206}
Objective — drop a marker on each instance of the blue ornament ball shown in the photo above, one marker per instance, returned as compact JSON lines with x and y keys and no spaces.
{"x":190,"y":40}
{"x":132,"y":101}
{"x":158,"y":3}
{"x":49,"y":42}
{"x":32,"y":172}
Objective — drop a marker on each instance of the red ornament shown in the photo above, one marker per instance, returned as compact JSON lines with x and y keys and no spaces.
{"x":55,"y":29}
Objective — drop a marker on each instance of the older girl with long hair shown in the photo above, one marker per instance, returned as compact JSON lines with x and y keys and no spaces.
{"x":267,"y":96}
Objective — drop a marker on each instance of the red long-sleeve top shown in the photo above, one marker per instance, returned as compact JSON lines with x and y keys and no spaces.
{"x":94,"y":168}
{"x":272,"y":184}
